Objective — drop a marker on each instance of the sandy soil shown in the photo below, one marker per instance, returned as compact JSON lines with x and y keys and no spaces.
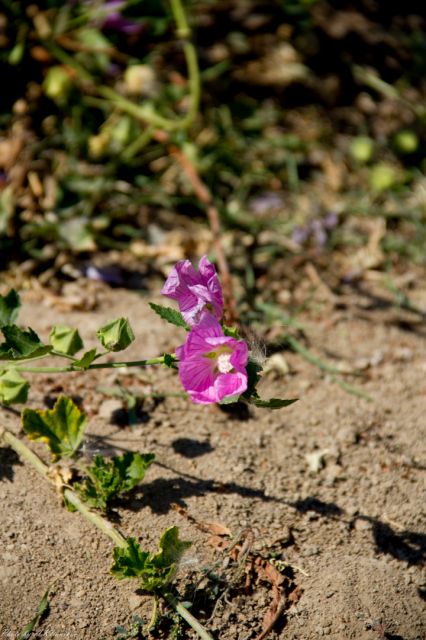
{"x":346,"y":526}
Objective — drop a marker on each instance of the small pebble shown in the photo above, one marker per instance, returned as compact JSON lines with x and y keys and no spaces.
{"x":108,"y":407}
{"x":362,"y":525}
{"x":134,"y":602}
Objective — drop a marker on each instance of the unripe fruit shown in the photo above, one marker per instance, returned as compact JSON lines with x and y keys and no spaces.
{"x":382,"y":177}
{"x":361,"y":149}
{"x":406,"y":141}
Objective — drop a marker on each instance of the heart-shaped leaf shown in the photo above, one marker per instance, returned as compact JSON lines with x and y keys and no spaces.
{"x":61,"y":428}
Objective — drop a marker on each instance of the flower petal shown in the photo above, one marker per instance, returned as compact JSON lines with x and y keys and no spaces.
{"x":196,"y":374}
{"x":200,"y":360}
{"x":240,"y":355}
{"x":230,"y":384}
{"x":206,"y":268}
{"x":209,"y":396}
{"x":194,"y":290}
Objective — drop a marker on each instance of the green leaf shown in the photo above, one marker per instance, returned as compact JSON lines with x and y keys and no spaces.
{"x":154,"y":570}
{"x":9,"y":308}
{"x":116,"y":335}
{"x":65,"y":340}
{"x":98,"y":45}
{"x":13,"y":387}
{"x":129,"y":562}
{"x":171,"y":549}
{"x":42,"y":610}
{"x":170,"y":315}
{"x":253,"y":372}
{"x":86,"y":360}
{"x":108,"y":479}
{"x":132,"y":467}
{"x":272,"y":403}
{"x":232,"y":332}
{"x":76,"y":234}
{"x":61,"y":428}
{"x":20,"y":344}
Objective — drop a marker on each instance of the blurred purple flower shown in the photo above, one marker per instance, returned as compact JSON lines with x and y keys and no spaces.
{"x":212,"y":366}
{"x":317,"y":229}
{"x":300,"y":235}
{"x":265,"y":202}
{"x":319,"y":233}
{"x":194,"y":290}
{"x":113,"y":20}
{"x":111,"y":274}
{"x":330,"y":220}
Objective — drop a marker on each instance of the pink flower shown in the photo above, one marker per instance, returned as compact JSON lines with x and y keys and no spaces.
{"x":195,"y":290}
{"x":212,"y":366}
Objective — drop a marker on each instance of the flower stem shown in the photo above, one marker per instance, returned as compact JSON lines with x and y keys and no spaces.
{"x":103,"y":365}
{"x":101,"y":523}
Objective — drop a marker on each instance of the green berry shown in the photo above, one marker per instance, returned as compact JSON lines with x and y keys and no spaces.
{"x":361,"y":149}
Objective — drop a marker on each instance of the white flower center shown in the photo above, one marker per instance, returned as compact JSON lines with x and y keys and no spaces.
{"x":224,"y":364}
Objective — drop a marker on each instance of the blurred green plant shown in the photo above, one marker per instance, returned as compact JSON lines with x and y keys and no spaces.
{"x":99,"y":93}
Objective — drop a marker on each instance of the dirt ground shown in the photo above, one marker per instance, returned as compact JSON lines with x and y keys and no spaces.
{"x":331,"y":489}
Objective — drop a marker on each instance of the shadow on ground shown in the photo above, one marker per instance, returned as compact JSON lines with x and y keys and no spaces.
{"x":8,"y":459}
{"x":162,"y":494}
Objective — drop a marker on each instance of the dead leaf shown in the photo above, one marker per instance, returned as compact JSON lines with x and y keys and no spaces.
{"x":371,"y":255}
{"x":268,"y":573}
{"x":281,"y":66}
{"x":295,"y":595}
{"x":215,"y":528}
{"x":9,"y":151}
{"x":218,"y":542}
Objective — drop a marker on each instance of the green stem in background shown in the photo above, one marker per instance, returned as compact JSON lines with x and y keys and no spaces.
{"x":146,"y":112}
{"x":350,"y":388}
{"x":101,"y":523}
{"x":372,"y":80}
{"x":298,"y":347}
{"x":326,"y":367}
{"x":137,"y":145}
{"x":183,"y":31}
{"x":103,"y":365}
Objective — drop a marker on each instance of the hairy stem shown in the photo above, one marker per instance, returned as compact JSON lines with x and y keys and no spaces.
{"x":101,"y":523}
